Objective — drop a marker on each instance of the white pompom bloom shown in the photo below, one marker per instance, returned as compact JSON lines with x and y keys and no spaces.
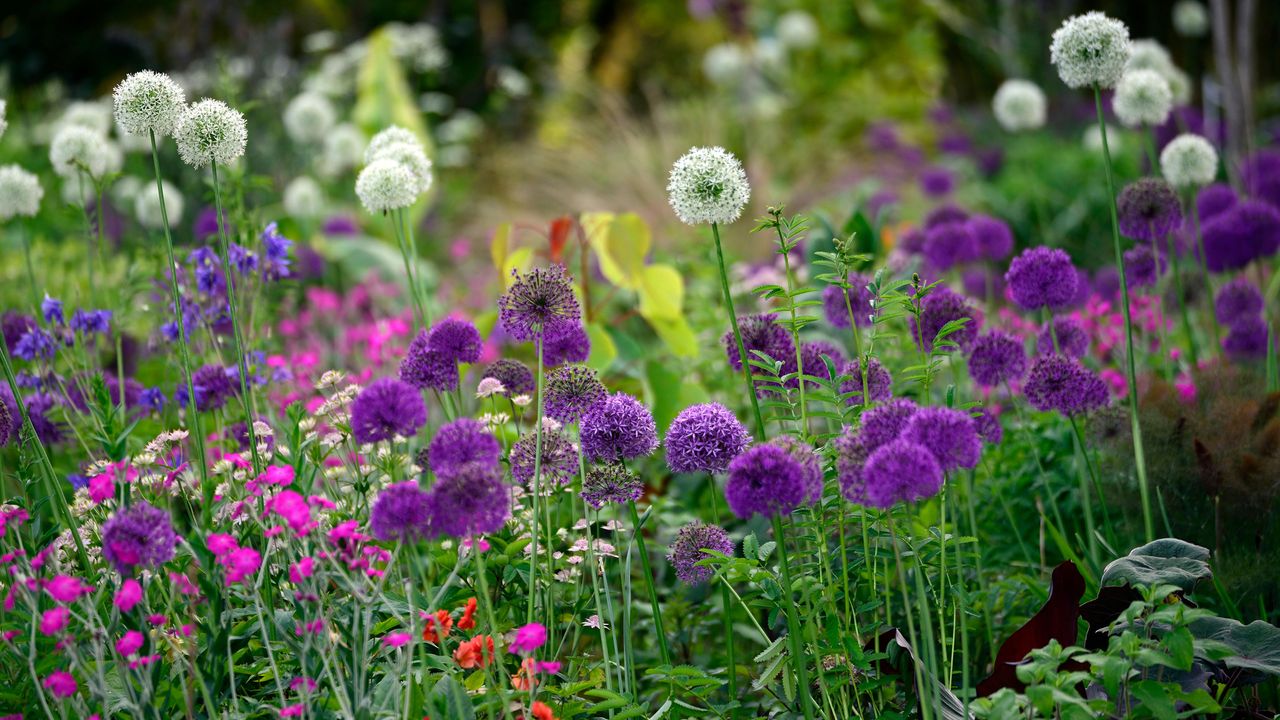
{"x":1019,"y":105}
{"x":725,"y":63}
{"x":386,"y":185}
{"x":1190,"y":18}
{"x":4,"y":122}
{"x":1142,"y":98}
{"x":1092,"y":139}
{"x":77,"y":149}
{"x":20,"y":192}
{"x":149,"y":102}
{"x":1090,"y":49}
{"x":308,"y":118}
{"x":797,"y":29}
{"x":77,"y":192}
{"x":1189,"y":161}
{"x":146,"y":206}
{"x":88,"y":114}
{"x":1149,"y":54}
{"x":343,"y":150}
{"x":125,"y":190}
{"x":392,"y":134}
{"x":303,"y":198}
{"x":708,"y":185}
{"x":210,"y":131}
{"x":411,"y":156}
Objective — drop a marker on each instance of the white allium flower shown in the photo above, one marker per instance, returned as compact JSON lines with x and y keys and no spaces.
{"x":513,"y":82}
{"x":146,"y":206}
{"x":1148,"y":54}
{"x":464,"y":126}
{"x":1142,"y":98}
{"x":77,"y":191}
{"x":708,"y":185}
{"x":797,"y":29}
{"x":4,"y":122}
{"x":89,"y":114}
{"x":308,"y":118}
{"x":386,"y":185}
{"x":1019,"y":105}
{"x":209,"y":130}
{"x":20,"y":192}
{"x":1179,"y":85}
{"x":392,"y":134}
{"x":78,"y":149}
{"x":343,"y":149}
{"x":724,"y":63}
{"x":1090,"y":49}
{"x":1092,"y":139}
{"x":1189,"y":161}
{"x":769,"y":54}
{"x":411,"y":156}
{"x":1190,"y":18}
{"x":303,"y":198}
{"x":124,"y":190}
{"x":148,"y":102}
{"x":418,"y":45}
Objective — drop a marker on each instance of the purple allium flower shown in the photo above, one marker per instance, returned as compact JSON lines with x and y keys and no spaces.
{"x":765,"y":479}
{"x":427,"y":369}
{"x":880,"y":202}
{"x":617,"y":428}
{"x":943,"y":214}
{"x":401,"y":512}
{"x":833,"y":303}
{"x":565,"y":343}
{"x":881,"y":136}
{"x":214,"y":385}
{"x":811,"y":354}
{"x":759,"y":333}
{"x":14,"y":325}
{"x":1247,"y":338}
{"x":1237,"y":299}
{"x":879,"y":381}
{"x":516,"y":378}
{"x":472,"y":500}
{"x":1215,"y":199}
{"x":951,"y":435}
{"x":989,"y":427}
{"x":6,"y":424}
{"x":1142,"y":267}
{"x":808,"y":459}
{"x":48,"y":431}
{"x":1148,"y":209}
{"x":937,"y":181}
{"x":461,"y":442}
{"x":456,"y":340}
{"x":1261,"y":176}
{"x":1083,"y":289}
{"x":1106,"y":282}
{"x":912,"y":241}
{"x":51,"y":311}
{"x":1061,"y":383}
{"x":884,"y":423}
{"x":571,"y":391}
{"x":559,"y":457}
{"x":36,"y":344}
{"x":948,"y":245}
{"x":995,"y":239}
{"x":611,"y":483}
{"x":689,"y":548}
{"x":1236,"y":237}
{"x":386,"y":408}
{"x":1073,"y":339}
{"x":138,"y":536}
{"x":941,"y":306}
{"x":851,"y":455}
{"x":536,"y":302}
{"x":705,"y":438}
{"x":900,"y":471}
{"x":1042,"y":277}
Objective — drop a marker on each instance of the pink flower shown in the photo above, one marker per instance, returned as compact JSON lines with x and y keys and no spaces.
{"x":157,"y":619}
{"x":15,"y":516}
{"x":142,"y":661}
{"x":53,"y":620}
{"x":396,"y":639}
{"x":528,"y":638}
{"x":302,"y":569}
{"x":277,"y":475}
{"x":220,"y":544}
{"x":551,"y":667}
{"x":130,"y":643}
{"x":295,"y":710}
{"x":306,"y":683}
{"x":61,"y":683}
{"x":129,"y":595}
{"x":240,"y":564}
{"x":65,"y":588}
{"x":101,"y":488}
{"x":345,"y":531}
{"x":292,"y":507}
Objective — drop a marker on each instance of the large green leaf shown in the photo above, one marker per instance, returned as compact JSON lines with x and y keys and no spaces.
{"x":451,"y":700}
{"x":1252,"y":648}
{"x":1168,"y":561}
{"x":620,"y":243}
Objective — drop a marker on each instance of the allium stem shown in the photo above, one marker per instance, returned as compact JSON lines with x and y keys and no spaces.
{"x":794,"y":639}
{"x":536,"y":490}
{"x":486,"y":606}
{"x":1182,"y":309}
{"x":638,"y":534}
{"x":737,"y":335}
{"x":595,"y":579}
{"x":1139,"y":457}
{"x":1204,"y":267}
{"x":419,"y":314}
{"x":795,"y":335}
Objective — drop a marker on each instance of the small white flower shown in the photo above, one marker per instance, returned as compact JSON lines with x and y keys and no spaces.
{"x":146,"y":206}
{"x":418,"y":45}
{"x":20,"y":192}
{"x":1148,"y":54}
{"x":77,"y":149}
{"x":725,"y":63}
{"x":88,"y":114}
{"x":343,"y":150}
{"x":210,"y":131}
{"x":1190,"y":18}
{"x":797,"y":29}
{"x":489,"y":386}
{"x":522,"y":400}
{"x":1090,"y":49}
{"x":308,"y":118}
{"x":1142,"y":98}
{"x":386,"y":185}
{"x":147,"y":102}
{"x":390,"y":135}
{"x":303,"y":198}
{"x":708,"y":185}
{"x":513,"y":82}
{"x":1189,"y":161}
{"x":412,"y":156}
{"x":1019,"y":105}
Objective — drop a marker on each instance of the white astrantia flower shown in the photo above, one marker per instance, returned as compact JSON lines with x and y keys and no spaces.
{"x":1092,"y":139}
{"x":210,"y":131}
{"x":391,"y":134}
{"x":148,"y":102}
{"x":146,"y":206}
{"x":89,"y":114}
{"x":4,"y":122}
{"x":797,"y":29}
{"x":1090,"y":49}
{"x":411,"y":156}
{"x":20,"y":192}
{"x":1142,"y":98}
{"x":308,"y":118}
{"x":708,"y":185}
{"x":303,"y":198}
{"x":725,"y":63}
{"x":343,"y":150}
{"x":1190,"y":18}
{"x":1189,"y":161}
{"x":77,"y":149}
{"x":1019,"y":105}
{"x":386,"y":185}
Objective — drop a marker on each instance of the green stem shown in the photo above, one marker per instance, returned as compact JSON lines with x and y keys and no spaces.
{"x":419,"y":315}
{"x":737,"y":335}
{"x":1208,"y":284}
{"x":638,"y":534}
{"x":536,"y":491}
{"x":487,"y":608}
{"x":793,"y":621}
{"x":593,"y":569}
{"x":1182,"y":309}
{"x":795,"y":340}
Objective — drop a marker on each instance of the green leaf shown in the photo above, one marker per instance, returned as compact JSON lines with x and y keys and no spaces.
{"x":452,"y":699}
{"x":1168,"y":561}
{"x":603,"y":349}
{"x":677,"y":335}
{"x":661,"y":292}
{"x":1255,"y":647}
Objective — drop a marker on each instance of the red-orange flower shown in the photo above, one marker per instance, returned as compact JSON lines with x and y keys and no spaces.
{"x":468,"y":619}
{"x":441,"y":620}
{"x":472,"y":654}
{"x":542,"y":711}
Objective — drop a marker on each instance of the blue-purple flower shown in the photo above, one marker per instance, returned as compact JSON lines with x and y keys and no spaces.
{"x":385,"y":409}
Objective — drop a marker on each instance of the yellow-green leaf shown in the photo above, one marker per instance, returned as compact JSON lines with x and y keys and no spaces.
{"x":499,"y":246}
{"x":628,"y":243}
{"x":677,"y":334}
{"x":519,"y":260}
{"x":603,"y":349}
{"x":661,"y":292}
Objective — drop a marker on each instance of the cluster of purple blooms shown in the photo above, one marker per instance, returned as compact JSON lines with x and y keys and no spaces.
{"x":431,"y":362}
{"x":1240,"y":307}
{"x":1063,"y":383}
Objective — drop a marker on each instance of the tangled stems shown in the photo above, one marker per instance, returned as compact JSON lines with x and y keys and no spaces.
{"x":595,"y":580}
{"x":1140,"y":459}
{"x":737,"y":334}
{"x":648,"y":583}
{"x":487,"y":608}
{"x":793,"y":622}
{"x":1182,"y":309}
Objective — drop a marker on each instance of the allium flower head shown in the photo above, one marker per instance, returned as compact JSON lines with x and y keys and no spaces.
{"x":943,"y":214}
{"x":851,"y":456}
{"x":1189,"y":162}
{"x":900,"y":471}
{"x":385,"y":185}
{"x":148,"y":102}
{"x":1190,"y":18}
{"x":76,"y":150}
{"x":617,"y":428}
{"x":1072,"y":338}
{"x":1042,"y":277}
{"x":462,"y":442}
{"x":811,"y":357}
{"x":386,"y":408}
{"x":536,"y":301}
{"x":689,"y":548}
{"x":989,"y":427}
{"x":20,"y":192}
{"x":308,"y":118}
{"x":1019,"y":105}
{"x":1215,"y":199}
{"x":1247,"y":338}
{"x":765,"y":479}
{"x":859,"y":301}
{"x":210,"y":131}
{"x":879,"y":381}
{"x":559,"y":457}
{"x":1261,"y":176}
{"x":303,"y":198}
{"x":995,"y":239}
{"x":146,"y":206}
{"x":808,"y":459}
{"x":471,"y":501}
{"x":1236,"y":300}
{"x":401,"y":512}
{"x":884,"y":423}
{"x":951,"y":435}
{"x":997,"y":357}
{"x":950,"y":244}
{"x":414,"y":158}
{"x":708,"y":185}
{"x":1148,"y":209}
{"x":1246,"y":232}
{"x":1061,"y":383}
{"x":571,"y":391}
{"x":516,"y":378}
{"x":941,"y":306}
{"x":138,"y":536}
{"x":388,"y":136}
{"x":1090,"y":49}
{"x":937,"y":181}
{"x":705,"y":438}
{"x":1143,"y":98}
{"x":1142,"y":266}
{"x":213,"y":385}
{"x":565,"y":343}
{"x":457,"y":340}
{"x":611,"y":483}
{"x":761,"y":333}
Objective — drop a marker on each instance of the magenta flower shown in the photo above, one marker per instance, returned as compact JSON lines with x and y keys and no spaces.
{"x":61,"y":683}
{"x":130,"y":643}
{"x":240,"y":564}
{"x":65,"y":589}
{"x":528,"y":638}
{"x":53,"y":620}
{"x":293,"y":507}
{"x":220,"y":544}
{"x":129,"y":595}
{"x":302,"y":569}
{"x":396,"y":640}
{"x":295,"y":710}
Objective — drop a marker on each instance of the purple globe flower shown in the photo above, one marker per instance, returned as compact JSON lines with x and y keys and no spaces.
{"x":1238,"y":299}
{"x":1072,"y":338}
{"x":1083,"y":289}
{"x":912,"y":241}
{"x":386,"y":408}
{"x":565,"y":343}
{"x":214,"y":385}
{"x":808,"y":459}
{"x":1042,"y":277}
{"x":459,"y":443}
{"x":705,"y":438}
{"x":900,"y":471}
{"x":1236,"y":237}
{"x":765,"y":479}
{"x":951,"y":435}
{"x":1106,"y":282}
{"x":884,"y":423}
{"x":1215,"y":199}
{"x":401,"y":512}
{"x":559,"y":457}
{"x":811,"y":354}
{"x":851,"y":456}
{"x":983,"y":282}
{"x":937,"y":181}
{"x":989,"y":427}
{"x":941,"y":306}
{"x":471,"y":501}
{"x":1247,"y":338}
{"x":618,"y":428}
{"x":943,"y":214}
{"x":571,"y":391}
{"x":427,"y":369}
{"x":833,"y":303}
{"x":516,"y":378}
{"x":948,"y":245}
{"x":1061,"y":383}
{"x":1148,"y":209}
{"x":759,"y":333}
{"x":879,"y":381}
{"x":456,"y":340}
{"x":1142,"y":267}
{"x":14,"y":325}
{"x":536,"y":302}
{"x":138,"y":536}
{"x":690,"y":546}
{"x":995,"y":239}
{"x":611,"y":483}
{"x":997,"y":357}
{"x":1261,"y":176}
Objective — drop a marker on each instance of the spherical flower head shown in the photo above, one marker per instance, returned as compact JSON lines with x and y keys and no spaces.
{"x":1261,"y":176}
{"x":811,"y":358}
{"x":837,"y":312}
{"x":879,"y":382}
{"x":473,"y":500}
{"x":20,"y":193}
{"x":140,"y":535}
{"x":413,"y":157}
{"x":559,"y":458}
{"x":1142,"y":266}
{"x":943,"y":214}
{"x":148,"y":102}
{"x":391,"y":135}
{"x":1246,"y":232}
{"x":1143,"y":99}
{"x":1042,"y":277}
{"x":937,"y":181}
{"x":618,"y":428}
{"x":1019,"y":105}
{"x":1090,"y":49}
{"x":851,"y":456}
{"x":1189,"y":162}
{"x":996,"y":358}
{"x":708,"y":185}
{"x":516,"y":378}
{"x":565,"y":343}
{"x":1247,"y":338}
{"x":884,"y":423}
{"x":1190,"y":18}
{"x":401,"y":512}
{"x":765,"y":479}
{"x":457,"y":340}
{"x":900,"y":471}
{"x":308,"y":118}
{"x":303,"y":199}
{"x":343,"y":149}
{"x":951,"y":435}
{"x":1215,"y":199}
{"x":75,"y":150}
{"x":146,"y":206}
{"x":4,"y":121}
{"x":949,"y":244}
{"x":705,"y":438}
{"x":210,"y":131}
{"x":989,"y":427}
{"x":760,"y":333}
{"x":941,"y":306}
{"x":797,"y":29}
{"x":213,"y":384}
{"x":462,"y":442}
{"x":994,"y":238}
{"x":1236,"y":300}
{"x":385,"y":185}
{"x":428,"y":369}
{"x":61,"y":684}
{"x":6,"y":423}
{"x":808,"y":459}
{"x":689,"y":548}
{"x":1072,"y":338}
{"x":1148,"y":209}
{"x":1061,"y":383}
{"x":537,"y":301}
{"x":386,"y":408}
{"x":571,"y":391}
{"x":611,"y":483}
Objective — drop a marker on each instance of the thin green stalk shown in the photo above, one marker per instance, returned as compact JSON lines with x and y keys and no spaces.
{"x":1084,"y":490}
{"x":925,"y":708}
{"x":31,"y":271}
{"x":737,"y":336}
{"x":595,"y":583}
{"x":413,"y":248}
{"x":1182,"y":309}
{"x":638,"y":534}
{"x":724,"y":599}
{"x":793,"y":622}
{"x":795,"y":340}
{"x":419,"y":314}
{"x":1204,"y":267}
{"x":487,"y":608}
{"x":536,"y":491}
